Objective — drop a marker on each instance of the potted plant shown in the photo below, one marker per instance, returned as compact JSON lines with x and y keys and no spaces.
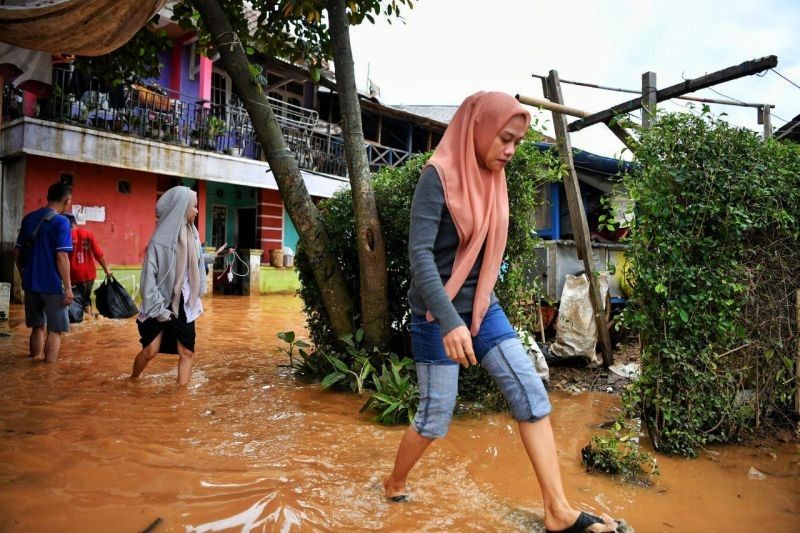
{"x":216,"y":128}
{"x":234,"y":149}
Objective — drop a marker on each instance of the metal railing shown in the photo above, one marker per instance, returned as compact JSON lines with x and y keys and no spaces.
{"x":164,"y":116}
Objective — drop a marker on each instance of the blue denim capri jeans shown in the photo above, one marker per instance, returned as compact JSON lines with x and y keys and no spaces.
{"x":497,"y":349}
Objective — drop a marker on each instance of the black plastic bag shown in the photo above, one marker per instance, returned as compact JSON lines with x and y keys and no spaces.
{"x":113,"y":301}
{"x":75,"y":309}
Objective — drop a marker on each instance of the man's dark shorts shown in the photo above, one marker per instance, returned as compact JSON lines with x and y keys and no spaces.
{"x":46,"y":309}
{"x":85,"y":290}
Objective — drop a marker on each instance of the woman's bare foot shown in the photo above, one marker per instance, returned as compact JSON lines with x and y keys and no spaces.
{"x":394,"y":491}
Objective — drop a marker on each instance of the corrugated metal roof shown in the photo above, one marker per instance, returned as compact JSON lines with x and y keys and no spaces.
{"x":440,"y":113}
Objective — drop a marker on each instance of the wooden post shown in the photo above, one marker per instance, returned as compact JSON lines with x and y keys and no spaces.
{"x":764,"y":118}
{"x":731,"y":73}
{"x":648,"y":98}
{"x":580,"y":227}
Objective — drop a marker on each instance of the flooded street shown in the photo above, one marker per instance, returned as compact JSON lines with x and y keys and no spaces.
{"x":248,"y":447}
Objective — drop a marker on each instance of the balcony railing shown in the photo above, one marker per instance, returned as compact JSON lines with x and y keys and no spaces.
{"x":155,"y":114}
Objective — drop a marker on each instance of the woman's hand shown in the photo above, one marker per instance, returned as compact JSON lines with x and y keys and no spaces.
{"x":458,"y":346}
{"x":220,"y":249}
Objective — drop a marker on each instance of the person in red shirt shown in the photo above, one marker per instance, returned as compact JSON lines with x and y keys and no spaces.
{"x":81,"y":263}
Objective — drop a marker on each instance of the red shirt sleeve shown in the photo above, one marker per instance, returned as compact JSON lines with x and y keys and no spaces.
{"x":96,"y":251}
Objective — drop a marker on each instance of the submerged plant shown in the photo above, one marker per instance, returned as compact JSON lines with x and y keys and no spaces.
{"x":352,"y":375}
{"x":619,"y":453}
{"x":396,"y":395}
{"x":289,"y":338}
{"x":311,"y":365}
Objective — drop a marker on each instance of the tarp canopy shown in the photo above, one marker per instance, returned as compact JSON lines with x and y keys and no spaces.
{"x":80,"y":27}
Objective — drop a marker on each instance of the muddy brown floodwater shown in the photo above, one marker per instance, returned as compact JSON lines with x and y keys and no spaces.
{"x":248,"y":448}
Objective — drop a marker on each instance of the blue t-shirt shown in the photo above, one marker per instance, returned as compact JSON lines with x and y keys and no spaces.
{"x":41,"y":273}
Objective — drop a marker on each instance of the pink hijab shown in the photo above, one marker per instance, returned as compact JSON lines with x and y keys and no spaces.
{"x":476,"y":197}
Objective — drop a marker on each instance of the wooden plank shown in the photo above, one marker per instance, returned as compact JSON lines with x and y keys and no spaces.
{"x":580,"y":227}
{"x":731,"y":73}
{"x":621,"y":133}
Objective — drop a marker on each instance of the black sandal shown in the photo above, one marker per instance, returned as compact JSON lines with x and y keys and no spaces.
{"x":584,"y":522}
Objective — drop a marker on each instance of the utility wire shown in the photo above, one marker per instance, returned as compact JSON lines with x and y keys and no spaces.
{"x":726,"y":96}
{"x":784,"y":77}
{"x":689,"y":97}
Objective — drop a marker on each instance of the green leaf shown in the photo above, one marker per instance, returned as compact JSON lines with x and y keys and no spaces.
{"x":339,"y":364}
{"x":684,"y":315}
{"x":331,"y":379}
{"x":286,"y":336}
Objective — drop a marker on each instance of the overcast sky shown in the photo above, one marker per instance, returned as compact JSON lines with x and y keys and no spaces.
{"x":448,"y":49}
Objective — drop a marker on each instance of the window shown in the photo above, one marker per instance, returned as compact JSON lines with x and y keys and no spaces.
{"x":124,"y":187}
{"x":66,"y":178}
{"x":222,"y":94}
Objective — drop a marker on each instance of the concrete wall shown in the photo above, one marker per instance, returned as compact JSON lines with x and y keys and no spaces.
{"x":12,"y":200}
{"x":278,"y":280}
{"x":130,"y":218}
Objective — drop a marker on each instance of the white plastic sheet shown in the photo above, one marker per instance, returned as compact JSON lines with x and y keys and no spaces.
{"x":576,"y":330}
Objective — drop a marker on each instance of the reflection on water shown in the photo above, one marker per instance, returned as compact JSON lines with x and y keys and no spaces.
{"x":248,"y":448}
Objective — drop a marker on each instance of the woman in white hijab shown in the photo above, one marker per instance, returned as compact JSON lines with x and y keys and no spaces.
{"x":172,"y":283}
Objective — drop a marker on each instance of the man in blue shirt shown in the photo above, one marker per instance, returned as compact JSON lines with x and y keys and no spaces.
{"x":42,"y":258}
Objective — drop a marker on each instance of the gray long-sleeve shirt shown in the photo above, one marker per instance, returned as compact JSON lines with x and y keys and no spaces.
{"x":432,"y":244}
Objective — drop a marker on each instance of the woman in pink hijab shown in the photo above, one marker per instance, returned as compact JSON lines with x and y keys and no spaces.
{"x":459,"y":227}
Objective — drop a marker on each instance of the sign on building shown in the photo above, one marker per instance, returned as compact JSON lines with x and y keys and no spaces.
{"x":85,"y":213}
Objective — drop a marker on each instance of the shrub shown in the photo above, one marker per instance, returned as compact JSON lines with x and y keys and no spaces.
{"x":394,"y":190}
{"x":619,"y":454}
{"x":707,"y":195}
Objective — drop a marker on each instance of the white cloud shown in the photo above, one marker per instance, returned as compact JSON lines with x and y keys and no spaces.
{"x":448,"y":49}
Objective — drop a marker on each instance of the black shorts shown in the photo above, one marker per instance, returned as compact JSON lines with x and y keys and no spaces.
{"x":175,"y":330}
{"x":84,"y":288}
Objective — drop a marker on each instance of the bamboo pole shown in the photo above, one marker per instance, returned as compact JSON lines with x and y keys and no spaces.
{"x":621,"y":133}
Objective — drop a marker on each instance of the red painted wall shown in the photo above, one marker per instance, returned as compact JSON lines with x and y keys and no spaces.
{"x":130,"y":218}
{"x":269,"y":221}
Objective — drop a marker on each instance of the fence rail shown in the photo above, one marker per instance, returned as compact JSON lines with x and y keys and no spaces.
{"x":151,"y":113}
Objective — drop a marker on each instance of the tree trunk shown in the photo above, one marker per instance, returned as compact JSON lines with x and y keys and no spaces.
{"x":369,"y":239}
{"x":327,"y":273}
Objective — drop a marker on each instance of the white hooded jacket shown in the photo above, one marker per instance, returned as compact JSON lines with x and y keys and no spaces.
{"x":158,"y":271}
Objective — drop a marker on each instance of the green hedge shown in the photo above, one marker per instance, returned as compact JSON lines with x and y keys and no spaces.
{"x":717,"y":214}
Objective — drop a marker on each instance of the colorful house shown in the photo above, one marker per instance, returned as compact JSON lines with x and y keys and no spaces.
{"x":121,"y":147}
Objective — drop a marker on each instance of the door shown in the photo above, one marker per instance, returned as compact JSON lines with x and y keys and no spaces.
{"x":219,"y":225}
{"x":246,"y":228}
